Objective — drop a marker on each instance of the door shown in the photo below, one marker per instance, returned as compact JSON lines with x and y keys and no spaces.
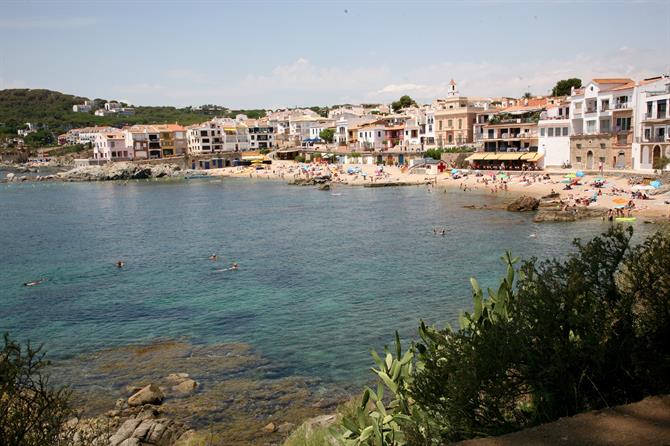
{"x":645,"y":155}
{"x":401,"y":159}
{"x":621,"y":160}
{"x":589,"y":160}
{"x":657,"y":154}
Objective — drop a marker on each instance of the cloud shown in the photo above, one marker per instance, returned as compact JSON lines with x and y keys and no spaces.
{"x":50,"y":23}
{"x":401,"y":88}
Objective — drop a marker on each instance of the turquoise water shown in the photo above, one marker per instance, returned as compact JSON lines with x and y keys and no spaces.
{"x":323,"y":277}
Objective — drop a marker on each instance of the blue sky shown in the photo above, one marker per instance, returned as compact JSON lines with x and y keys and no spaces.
{"x":285,"y":53}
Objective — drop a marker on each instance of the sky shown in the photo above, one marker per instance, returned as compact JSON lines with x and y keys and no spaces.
{"x":271,"y":54}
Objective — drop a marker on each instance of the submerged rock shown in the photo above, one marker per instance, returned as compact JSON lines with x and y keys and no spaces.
{"x":524,"y":204}
{"x":546,"y":214}
{"x":150,"y":394}
{"x":269,"y":428}
{"x":185,"y":387}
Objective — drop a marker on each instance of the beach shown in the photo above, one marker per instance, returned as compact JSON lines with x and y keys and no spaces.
{"x":615,"y":191}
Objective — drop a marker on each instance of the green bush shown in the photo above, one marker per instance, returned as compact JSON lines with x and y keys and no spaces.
{"x":32,"y":412}
{"x":556,"y":338}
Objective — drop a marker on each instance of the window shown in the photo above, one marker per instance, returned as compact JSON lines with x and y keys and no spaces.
{"x":542,"y":131}
{"x":579,"y":159}
{"x":460,"y":124}
{"x":565,"y":131}
{"x":450,"y":139}
{"x":450,"y":123}
{"x":550,"y":131}
{"x":623,"y":124}
{"x":579,"y":147}
{"x":379,"y":134}
{"x":602,"y":146}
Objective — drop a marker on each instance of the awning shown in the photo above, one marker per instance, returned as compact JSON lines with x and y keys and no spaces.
{"x":477,"y":156}
{"x":508,"y":156}
{"x":533,"y":157}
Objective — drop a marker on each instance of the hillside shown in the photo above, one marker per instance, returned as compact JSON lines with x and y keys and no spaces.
{"x":54,"y":109}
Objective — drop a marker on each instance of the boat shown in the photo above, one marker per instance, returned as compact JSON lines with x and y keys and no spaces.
{"x":196,"y":176}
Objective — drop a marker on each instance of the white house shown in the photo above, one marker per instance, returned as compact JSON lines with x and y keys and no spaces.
{"x":261,"y":135}
{"x":372,"y":136}
{"x":86,"y":107}
{"x":204,"y":138}
{"x":601,"y":117}
{"x":554,"y":135}
{"x":87,"y":134}
{"x":111,"y":146}
{"x":652,"y":123}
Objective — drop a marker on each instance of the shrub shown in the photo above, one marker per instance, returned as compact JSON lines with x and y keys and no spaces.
{"x":556,"y":338}
{"x":31,"y":411}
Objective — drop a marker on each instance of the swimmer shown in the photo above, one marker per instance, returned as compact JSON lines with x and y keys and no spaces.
{"x":213,"y":257}
{"x":234,"y":267}
{"x":120,"y":264}
{"x":35,"y":282}
{"x":533,"y":235}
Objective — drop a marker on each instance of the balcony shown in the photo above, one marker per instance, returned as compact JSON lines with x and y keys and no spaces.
{"x":622,"y":106}
{"x":591,"y":110}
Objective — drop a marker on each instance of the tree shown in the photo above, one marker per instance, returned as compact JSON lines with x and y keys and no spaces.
{"x":404,"y":102}
{"x":563,"y":87}
{"x":527,"y":95}
{"x":32,"y":412}
{"x":435,"y":154}
{"x":40,"y":138}
{"x":327,"y":135}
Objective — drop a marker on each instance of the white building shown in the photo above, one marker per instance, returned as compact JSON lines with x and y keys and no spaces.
{"x":261,"y":135}
{"x":111,"y":146}
{"x":344,"y":126}
{"x":652,"y":123}
{"x":554,"y":135}
{"x":204,"y":138}
{"x":87,"y":134}
{"x":372,"y":136}
{"x":86,"y":107}
{"x":601,"y":117}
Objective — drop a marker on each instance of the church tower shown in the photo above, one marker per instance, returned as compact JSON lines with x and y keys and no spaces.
{"x":452,"y":91}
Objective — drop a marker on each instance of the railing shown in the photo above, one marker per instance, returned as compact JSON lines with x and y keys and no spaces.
{"x":591,"y":110}
{"x":621,"y":105}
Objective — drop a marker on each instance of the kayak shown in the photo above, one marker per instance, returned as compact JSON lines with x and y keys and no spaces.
{"x":625,"y":219}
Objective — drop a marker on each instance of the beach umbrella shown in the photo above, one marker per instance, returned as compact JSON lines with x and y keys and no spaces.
{"x":566,"y":181}
{"x":620,"y":200}
{"x":655,"y":184}
{"x":569,"y":175}
{"x":643,"y":187}
{"x":579,"y":174}
{"x":454,"y":170}
{"x":621,"y":206}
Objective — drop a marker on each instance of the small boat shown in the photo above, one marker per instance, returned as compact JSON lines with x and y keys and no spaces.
{"x":625,"y":219}
{"x":196,"y":176}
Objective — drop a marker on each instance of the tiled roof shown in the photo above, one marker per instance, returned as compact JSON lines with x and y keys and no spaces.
{"x":613,"y":80}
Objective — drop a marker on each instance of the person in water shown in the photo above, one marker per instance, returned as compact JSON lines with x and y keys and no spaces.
{"x":35,"y":282}
{"x":120,"y":264}
{"x":213,"y":257}
{"x":234,"y":267}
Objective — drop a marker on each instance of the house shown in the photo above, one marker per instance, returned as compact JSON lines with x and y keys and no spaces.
{"x":261,"y":135}
{"x":172,"y":139}
{"x":455,"y":117}
{"x":372,"y":136}
{"x":86,"y":107}
{"x":204,"y":138}
{"x":554,"y":134}
{"x":601,"y":119}
{"x":652,"y":123}
{"x":87,"y":135}
{"x":512,"y":129}
{"x":111,"y":146}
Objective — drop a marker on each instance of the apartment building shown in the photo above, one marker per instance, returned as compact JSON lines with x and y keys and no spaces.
{"x":204,"y":138}
{"x":455,"y":117}
{"x":601,"y":119}
{"x":512,"y":129}
{"x":652,"y":124}
{"x":111,"y":146}
{"x":554,"y":134}
{"x":261,"y":135}
{"x":172,"y":139}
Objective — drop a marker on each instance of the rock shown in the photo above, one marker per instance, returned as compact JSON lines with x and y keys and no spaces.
{"x":124,"y":432}
{"x":143,"y":429}
{"x":546,"y":214}
{"x":321,"y":421}
{"x":185,"y":387}
{"x":130,"y":442}
{"x":269,"y":428}
{"x":150,"y":394}
{"x":285,"y":428}
{"x":133,"y":389}
{"x":177,"y":377}
{"x":10,"y":176}
{"x":524,"y":204}
{"x":324,"y":187}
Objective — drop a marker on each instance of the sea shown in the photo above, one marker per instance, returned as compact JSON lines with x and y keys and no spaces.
{"x":323,"y":277}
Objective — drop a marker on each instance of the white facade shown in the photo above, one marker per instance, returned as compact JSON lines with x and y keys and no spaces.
{"x":554,"y":136}
{"x":652,"y":123}
{"x":87,"y":134}
{"x":204,"y":138}
{"x":372,"y":137}
{"x":591,"y":112}
{"x":261,"y":135}
{"x":111,"y":146}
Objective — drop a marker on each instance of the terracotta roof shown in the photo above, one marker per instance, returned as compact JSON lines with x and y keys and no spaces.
{"x":613,"y":80}
{"x":623,"y":87}
{"x":452,"y":82}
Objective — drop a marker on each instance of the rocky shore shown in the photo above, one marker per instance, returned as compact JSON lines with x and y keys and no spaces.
{"x":105,"y":172}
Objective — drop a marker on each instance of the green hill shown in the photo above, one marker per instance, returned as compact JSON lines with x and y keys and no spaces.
{"x":54,"y":109}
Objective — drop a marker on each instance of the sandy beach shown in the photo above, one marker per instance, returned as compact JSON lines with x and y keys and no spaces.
{"x":616,"y":190}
